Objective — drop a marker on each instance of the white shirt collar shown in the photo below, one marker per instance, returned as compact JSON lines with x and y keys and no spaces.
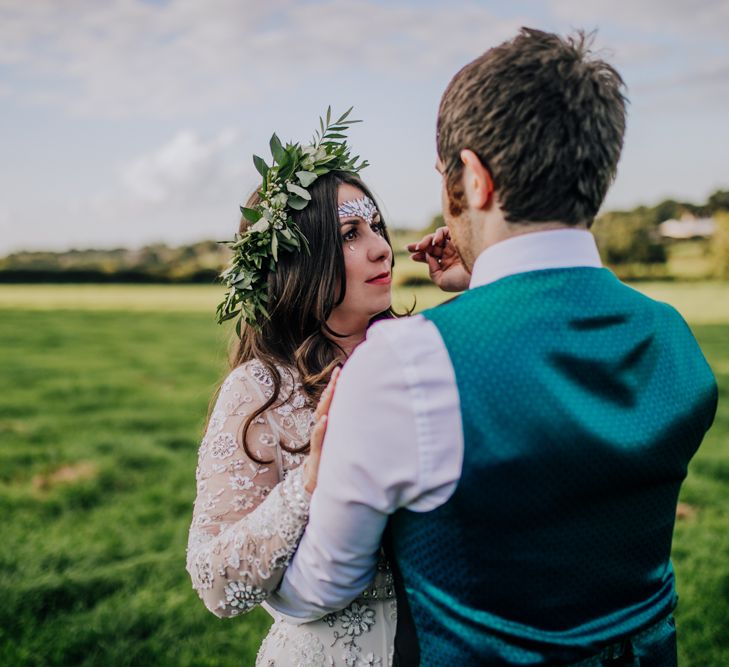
{"x":535,"y":251}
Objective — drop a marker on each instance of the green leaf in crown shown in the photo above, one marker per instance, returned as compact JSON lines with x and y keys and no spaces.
{"x":271,"y":229}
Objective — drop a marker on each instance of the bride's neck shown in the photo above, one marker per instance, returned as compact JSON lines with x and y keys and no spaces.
{"x":348,"y":343}
{"x":340,"y":324}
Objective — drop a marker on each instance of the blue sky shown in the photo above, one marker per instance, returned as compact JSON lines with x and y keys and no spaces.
{"x":125,"y":122}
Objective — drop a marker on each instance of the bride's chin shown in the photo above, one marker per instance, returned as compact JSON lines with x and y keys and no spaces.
{"x":382,"y":305}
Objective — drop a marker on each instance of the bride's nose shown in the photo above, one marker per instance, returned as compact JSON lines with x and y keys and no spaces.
{"x":379,"y":250}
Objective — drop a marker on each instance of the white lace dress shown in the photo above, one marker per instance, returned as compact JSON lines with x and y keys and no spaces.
{"x":249,"y":517}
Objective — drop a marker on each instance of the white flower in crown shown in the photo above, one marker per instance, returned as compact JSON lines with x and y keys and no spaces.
{"x":272,"y":229}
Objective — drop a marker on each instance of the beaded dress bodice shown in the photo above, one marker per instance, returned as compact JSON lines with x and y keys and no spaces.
{"x":249,"y":517}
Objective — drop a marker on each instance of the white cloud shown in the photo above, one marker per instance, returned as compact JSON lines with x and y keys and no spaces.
{"x":706,"y":19}
{"x":127,"y":58}
{"x":186,"y":189}
{"x":5,"y":224}
{"x":186,"y":166}
{"x":154,"y":68}
{"x":672,"y":53}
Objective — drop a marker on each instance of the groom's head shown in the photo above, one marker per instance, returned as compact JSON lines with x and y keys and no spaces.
{"x":539,"y":123}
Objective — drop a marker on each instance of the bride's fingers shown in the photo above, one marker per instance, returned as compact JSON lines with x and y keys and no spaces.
{"x":321,"y":406}
{"x":325,"y":401}
{"x":311,"y":467}
{"x":317,"y":434}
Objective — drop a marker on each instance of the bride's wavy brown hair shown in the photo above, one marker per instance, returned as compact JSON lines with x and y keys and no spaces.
{"x":302,"y":293}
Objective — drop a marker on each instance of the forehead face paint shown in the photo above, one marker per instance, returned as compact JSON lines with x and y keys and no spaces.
{"x":363,"y":208}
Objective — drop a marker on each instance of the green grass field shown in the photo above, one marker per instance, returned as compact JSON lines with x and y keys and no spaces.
{"x":103,"y":393}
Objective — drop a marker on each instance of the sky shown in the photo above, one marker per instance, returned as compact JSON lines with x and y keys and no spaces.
{"x":129,"y":122}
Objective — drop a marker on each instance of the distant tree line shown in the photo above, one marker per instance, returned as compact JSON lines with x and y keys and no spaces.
{"x":629,"y":243}
{"x":158,"y":263}
{"x":629,"y":240}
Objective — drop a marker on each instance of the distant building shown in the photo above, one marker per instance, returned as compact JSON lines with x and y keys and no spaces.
{"x":688,"y":227}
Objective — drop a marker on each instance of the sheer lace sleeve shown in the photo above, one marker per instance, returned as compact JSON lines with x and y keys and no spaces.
{"x":246,"y":521}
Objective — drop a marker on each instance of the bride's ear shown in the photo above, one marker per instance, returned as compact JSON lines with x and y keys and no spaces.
{"x":477,"y":182}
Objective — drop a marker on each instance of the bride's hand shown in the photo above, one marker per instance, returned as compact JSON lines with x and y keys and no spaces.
{"x":444,"y":264}
{"x":321,"y":414}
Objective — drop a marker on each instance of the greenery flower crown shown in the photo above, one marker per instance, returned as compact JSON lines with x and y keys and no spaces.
{"x":272,"y":229}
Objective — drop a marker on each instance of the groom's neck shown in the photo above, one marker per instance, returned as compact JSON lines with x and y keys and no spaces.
{"x":496,"y":229}
{"x":486,"y":227}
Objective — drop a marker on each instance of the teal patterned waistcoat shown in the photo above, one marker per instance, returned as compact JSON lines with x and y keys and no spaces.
{"x":582,"y":402}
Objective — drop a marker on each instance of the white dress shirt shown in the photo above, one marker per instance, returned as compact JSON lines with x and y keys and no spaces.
{"x":395,"y":437}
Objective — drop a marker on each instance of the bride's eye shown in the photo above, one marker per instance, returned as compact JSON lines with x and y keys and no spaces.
{"x":378,"y":226}
{"x":349,"y":236}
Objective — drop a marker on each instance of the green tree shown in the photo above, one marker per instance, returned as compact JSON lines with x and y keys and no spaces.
{"x":436,"y":221}
{"x":668,"y":209}
{"x":718,"y":201}
{"x":628,"y":238}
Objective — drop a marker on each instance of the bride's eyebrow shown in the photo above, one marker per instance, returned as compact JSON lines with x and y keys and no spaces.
{"x":352,"y":220}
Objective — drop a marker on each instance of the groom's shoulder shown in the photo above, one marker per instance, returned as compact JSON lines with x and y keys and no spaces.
{"x":400,"y":352}
{"x":402,"y":335}
{"x":396,"y":329}
{"x":449,"y":304}
{"x":656,"y":307}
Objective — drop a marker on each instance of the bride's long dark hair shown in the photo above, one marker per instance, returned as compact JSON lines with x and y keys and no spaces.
{"x":302,"y":293}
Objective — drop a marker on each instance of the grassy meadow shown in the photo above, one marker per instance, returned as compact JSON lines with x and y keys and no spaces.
{"x":103,"y":393}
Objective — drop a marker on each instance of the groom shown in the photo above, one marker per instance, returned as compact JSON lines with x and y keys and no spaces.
{"x":520,"y":448}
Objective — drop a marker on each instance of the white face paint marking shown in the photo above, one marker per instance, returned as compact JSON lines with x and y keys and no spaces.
{"x":363,"y":208}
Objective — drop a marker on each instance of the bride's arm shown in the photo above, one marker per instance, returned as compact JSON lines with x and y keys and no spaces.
{"x":246,"y":523}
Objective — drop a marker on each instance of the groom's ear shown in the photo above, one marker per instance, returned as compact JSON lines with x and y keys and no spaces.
{"x":477,"y":181}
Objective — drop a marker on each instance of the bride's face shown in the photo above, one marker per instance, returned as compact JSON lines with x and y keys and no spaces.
{"x":367,"y":262}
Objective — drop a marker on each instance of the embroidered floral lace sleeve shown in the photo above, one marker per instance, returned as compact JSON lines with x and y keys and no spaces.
{"x":248,"y":517}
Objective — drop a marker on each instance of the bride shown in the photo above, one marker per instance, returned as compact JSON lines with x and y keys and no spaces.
{"x":311,"y":270}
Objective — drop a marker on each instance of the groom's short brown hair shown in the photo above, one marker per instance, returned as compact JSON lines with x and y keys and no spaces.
{"x":545,"y":118}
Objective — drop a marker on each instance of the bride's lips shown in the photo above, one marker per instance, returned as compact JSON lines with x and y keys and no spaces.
{"x":383,"y":278}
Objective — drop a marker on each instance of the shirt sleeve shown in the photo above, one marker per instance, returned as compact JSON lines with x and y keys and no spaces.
{"x":246,"y":522}
{"x":394,"y":415}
